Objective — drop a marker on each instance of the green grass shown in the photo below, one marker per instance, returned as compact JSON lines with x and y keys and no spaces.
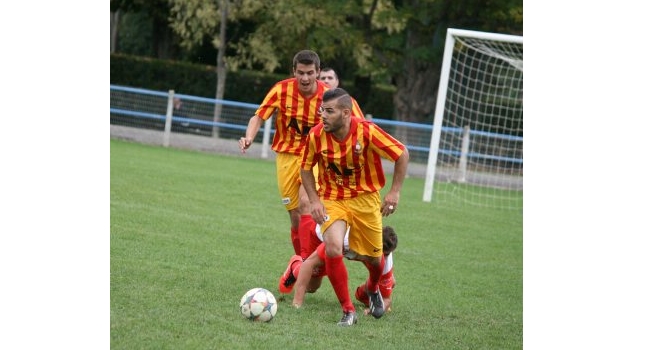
{"x":191,"y":232}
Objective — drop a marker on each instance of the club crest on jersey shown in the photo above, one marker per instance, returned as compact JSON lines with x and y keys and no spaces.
{"x":357,"y":148}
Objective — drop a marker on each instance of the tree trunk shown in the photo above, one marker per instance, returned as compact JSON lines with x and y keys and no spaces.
{"x":162,"y":39}
{"x":221,"y":66}
{"x":415,"y":98}
{"x":115,"y":23}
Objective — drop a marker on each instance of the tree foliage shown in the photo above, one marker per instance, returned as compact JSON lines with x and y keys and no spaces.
{"x":396,"y":42}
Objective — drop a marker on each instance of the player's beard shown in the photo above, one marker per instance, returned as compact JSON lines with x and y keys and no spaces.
{"x":332,"y":125}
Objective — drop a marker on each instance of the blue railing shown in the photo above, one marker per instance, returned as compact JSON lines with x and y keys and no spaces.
{"x":151,"y":105}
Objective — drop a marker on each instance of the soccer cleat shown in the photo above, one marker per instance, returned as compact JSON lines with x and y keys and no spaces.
{"x":348,"y":319}
{"x":287,"y":280}
{"x":376,"y":304}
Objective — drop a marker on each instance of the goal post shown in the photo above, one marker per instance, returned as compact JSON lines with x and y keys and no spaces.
{"x":475,"y":154}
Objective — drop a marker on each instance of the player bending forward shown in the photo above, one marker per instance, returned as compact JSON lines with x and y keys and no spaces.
{"x":310,"y":282}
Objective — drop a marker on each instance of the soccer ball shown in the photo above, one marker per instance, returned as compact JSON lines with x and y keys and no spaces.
{"x":258,"y":304}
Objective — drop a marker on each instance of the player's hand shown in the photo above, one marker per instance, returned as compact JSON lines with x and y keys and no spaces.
{"x":388,"y":208}
{"x":244,"y":143}
{"x":318,"y":213}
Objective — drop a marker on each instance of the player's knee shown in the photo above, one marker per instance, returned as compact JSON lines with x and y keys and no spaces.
{"x":333,"y":250}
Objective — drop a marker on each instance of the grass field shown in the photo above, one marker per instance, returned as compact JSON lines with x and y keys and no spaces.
{"x":191,"y":232}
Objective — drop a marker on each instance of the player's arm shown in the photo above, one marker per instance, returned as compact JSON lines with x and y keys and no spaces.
{"x":309,"y":182}
{"x":254,"y":125}
{"x":304,"y":276}
{"x":392,"y":196}
{"x":316,"y":206}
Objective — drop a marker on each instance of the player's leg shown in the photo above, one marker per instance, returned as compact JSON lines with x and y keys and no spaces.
{"x":318,"y":272}
{"x":288,"y":177}
{"x":361,"y":295}
{"x":314,"y":283}
{"x":307,"y":223}
{"x":386,"y":285}
{"x":290,"y":275}
{"x":337,"y":273}
{"x":306,"y":233}
{"x":366,"y":239}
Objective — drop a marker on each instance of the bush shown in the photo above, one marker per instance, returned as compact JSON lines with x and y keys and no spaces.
{"x":201,"y":80}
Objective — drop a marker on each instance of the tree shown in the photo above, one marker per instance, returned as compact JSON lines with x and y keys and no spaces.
{"x":397,"y":42}
{"x":157,"y":11}
{"x":193,"y":20}
{"x":412,"y":55}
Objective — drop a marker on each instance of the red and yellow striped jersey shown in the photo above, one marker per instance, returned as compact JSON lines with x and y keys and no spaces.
{"x":352,"y":166}
{"x":296,"y":115}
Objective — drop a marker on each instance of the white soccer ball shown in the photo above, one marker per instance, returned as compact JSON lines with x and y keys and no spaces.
{"x":258,"y":304}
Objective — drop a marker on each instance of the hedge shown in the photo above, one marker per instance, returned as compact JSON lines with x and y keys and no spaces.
{"x":201,"y":80}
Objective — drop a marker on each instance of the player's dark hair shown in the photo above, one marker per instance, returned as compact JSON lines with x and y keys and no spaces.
{"x":306,"y":57}
{"x":330,"y":69}
{"x":344,"y":99}
{"x":389,"y":239}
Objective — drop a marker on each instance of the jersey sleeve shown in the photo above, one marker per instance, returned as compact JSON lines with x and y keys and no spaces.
{"x":356,"y":110}
{"x":385,"y":144}
{"x":270,"y":103}
{"x":309,"y":152}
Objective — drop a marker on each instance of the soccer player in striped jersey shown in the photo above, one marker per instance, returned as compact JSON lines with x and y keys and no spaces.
{"x":347,"y":151}
{"x":297,"y":102}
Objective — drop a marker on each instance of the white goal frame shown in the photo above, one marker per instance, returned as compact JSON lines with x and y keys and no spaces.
{"x":450,"y":44}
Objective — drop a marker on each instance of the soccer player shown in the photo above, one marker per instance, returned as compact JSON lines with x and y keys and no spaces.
{"x":348,"y":152}
{"x":314,"y":270}
{"x":297,"y":101}
{"x":328,"y":76}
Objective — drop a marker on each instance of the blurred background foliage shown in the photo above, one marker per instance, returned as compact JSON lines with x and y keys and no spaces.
{"x":388,"y":54}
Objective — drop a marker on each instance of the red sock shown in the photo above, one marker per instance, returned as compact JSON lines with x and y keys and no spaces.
{"x":320,"y":250}
{"x":295,"y":240}
{"x":374,"y":275}
{"x":307,"y":225}
{"x":338,"y":275}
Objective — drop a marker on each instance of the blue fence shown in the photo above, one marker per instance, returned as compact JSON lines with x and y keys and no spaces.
{"x":142,"y":108}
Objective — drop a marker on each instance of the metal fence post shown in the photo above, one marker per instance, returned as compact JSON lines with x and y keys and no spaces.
{"x":168,"y":119}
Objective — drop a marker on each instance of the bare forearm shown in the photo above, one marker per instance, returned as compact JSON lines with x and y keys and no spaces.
{"x":401,"y":166}
{"x":253,"y":127}
{"x":309,"y":183}
{"x":300,"y":288}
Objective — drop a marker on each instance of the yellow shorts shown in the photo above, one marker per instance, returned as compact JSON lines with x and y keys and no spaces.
{"x":287,"y":167}
{"x":364,"y":217}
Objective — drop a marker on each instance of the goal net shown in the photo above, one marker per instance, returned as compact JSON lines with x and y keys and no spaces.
{"x":476,"y":151}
